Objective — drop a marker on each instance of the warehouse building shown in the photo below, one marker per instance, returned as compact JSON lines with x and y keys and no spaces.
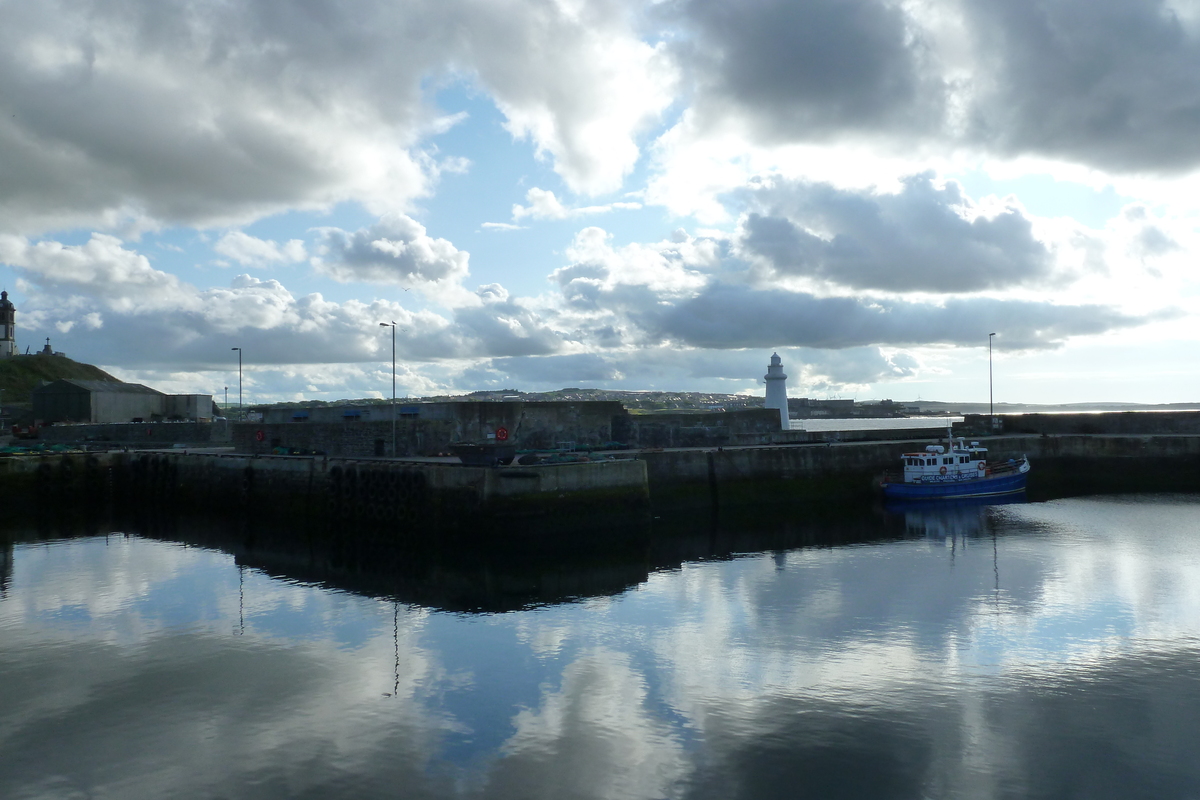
{"x":71,"y":400}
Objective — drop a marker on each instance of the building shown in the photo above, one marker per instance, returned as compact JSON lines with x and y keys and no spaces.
{"x":8,"y":327}
{"x":777,"y":389}
{"x":71,"y":400}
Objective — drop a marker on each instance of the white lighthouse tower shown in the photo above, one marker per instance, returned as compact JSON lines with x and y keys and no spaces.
{"x":8,"y":327}
{"x":777,"y":389}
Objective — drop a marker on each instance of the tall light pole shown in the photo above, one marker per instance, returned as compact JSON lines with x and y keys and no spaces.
{"x":392,"y":325}
{"x":991,"y":402}
{"x":241,"y":410}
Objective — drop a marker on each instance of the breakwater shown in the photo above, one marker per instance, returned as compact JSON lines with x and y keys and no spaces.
{"x":430,"y":498}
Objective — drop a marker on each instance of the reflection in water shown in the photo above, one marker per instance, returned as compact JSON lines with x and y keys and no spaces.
{"x":1042,"y":650}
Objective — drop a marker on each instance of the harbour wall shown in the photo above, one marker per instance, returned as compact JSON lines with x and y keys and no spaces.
{"x":583,"y":425}
{"x":1107,"y":422}
{"x":319,"y":492}
{"x":431,"y":500}
{"x":531,"y":426}
{"x":829,"y":476}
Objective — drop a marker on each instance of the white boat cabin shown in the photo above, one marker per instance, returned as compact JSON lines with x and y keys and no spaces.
{"x":963,"y":463}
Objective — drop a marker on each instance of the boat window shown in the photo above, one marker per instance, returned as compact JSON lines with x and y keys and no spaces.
{"x":947,"y":460}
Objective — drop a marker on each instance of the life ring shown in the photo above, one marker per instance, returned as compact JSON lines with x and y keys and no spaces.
{"x":942,"y":470}
{"x":982,"y":466}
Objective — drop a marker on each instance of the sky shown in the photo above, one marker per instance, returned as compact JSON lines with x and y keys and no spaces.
{"x":615,"y":194}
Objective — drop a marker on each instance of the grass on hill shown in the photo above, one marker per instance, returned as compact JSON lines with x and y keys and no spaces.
{"x":20,"y":375}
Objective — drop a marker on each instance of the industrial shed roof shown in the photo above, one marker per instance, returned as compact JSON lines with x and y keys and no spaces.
{"x":109,"y":387}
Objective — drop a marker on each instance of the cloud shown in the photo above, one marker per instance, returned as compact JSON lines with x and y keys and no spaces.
{"x":151,"y":319}
{"x":395,"y":250}
{"x":507,"y":328}
{"x":1114,"y":84}
{"x":812,"y":70}
{"x":727,"y":316}
{"x":204,"y":115}
{"x":554,"y":371}
{"x":252,"y":252}
{"x":100,"y":268}
{"x":578,"y":79}
{"x":923,"y":238}
{"x":601,"y":726}
{"x":220,"y":114}
{"x":691,"y":369}
{"x":544,"y":205}
{"x":669,"y":268}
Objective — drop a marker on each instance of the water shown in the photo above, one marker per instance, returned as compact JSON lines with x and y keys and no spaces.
{"x":1041,"y":650}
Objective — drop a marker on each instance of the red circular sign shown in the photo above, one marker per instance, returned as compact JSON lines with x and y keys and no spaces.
{"x":502,"y":434}
{"x":260,"y":435}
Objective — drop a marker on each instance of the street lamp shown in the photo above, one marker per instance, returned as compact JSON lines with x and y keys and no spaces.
{"x":991,"y":403}
{"x":225,"y":407}
{"x":392,"y":325}
{"x":241,"y":410}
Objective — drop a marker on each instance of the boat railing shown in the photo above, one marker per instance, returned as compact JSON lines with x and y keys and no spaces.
{"x":1004,"y":467}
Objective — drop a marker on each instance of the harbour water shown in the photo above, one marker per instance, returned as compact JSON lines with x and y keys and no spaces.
{"x":1024,"y":650}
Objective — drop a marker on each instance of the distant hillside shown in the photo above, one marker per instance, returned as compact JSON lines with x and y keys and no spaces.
{"x":20,"y":375}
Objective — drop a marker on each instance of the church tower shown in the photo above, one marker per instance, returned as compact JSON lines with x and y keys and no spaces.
{"x":777,"y":389}
{"x":8,"y":327}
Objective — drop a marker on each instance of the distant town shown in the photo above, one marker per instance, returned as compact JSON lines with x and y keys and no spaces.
{"x":646,"y":402}
{"x":657,"y":402}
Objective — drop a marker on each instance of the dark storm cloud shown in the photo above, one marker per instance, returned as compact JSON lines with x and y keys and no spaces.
{"x":1110,"y":83}
{"x":806,"y":70}
{"x":915,"y":240}
{"x":725,"y":316}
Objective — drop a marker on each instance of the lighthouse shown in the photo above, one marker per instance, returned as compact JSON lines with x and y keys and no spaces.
{"x":777,"y":389}
{"x":8,"y":327}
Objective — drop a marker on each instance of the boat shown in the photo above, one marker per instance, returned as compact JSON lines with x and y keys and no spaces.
{"x":490,"y":454}
{"x":953,"y":472}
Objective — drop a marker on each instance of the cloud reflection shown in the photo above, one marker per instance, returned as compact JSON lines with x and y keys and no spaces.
{"x":1029,"y":650}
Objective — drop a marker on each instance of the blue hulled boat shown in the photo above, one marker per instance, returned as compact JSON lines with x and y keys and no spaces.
{"x":961,"y":470}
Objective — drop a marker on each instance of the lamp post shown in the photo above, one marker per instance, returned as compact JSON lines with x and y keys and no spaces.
{"x":991,"y":402}
{"x":225,"y":407}
{"x":241,"y":410}
{"x":392,"y":325}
